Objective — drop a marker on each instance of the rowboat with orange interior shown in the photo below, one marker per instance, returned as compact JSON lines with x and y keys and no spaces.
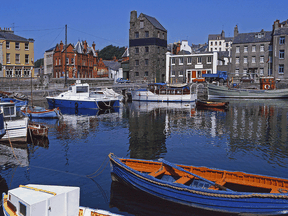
{"x":211,"y":104}
{"x":202,"y":187}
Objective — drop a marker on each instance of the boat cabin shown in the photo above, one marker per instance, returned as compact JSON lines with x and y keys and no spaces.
{"x":8,"y":109}
{"x":162,"y":88}
{"x":78,"y":89}
{"x":35,"y":200}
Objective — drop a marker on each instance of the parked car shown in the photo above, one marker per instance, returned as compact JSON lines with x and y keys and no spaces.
{"x":247,"y":79}
{"x":122,"y":80}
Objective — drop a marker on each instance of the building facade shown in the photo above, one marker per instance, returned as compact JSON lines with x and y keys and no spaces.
{"x":184,"y":68}
{"x":81,"y":61}
{"x":280,"y":50}
{"x":218,"y":42}
{"x":48,"y":61}
{"x":17,"y":55}
{"x":147,"y":48}
{"x":251,"y":54}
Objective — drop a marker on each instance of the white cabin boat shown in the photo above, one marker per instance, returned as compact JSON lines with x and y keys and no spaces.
{"x":16,"y":126}
{"x":44,"y":200}
{"x":78,"y":96}
{"x":161,"y":92}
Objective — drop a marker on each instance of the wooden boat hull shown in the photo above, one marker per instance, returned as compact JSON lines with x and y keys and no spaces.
{"x":223,"y":92}
{"x":212,"y":104}
{"x":198,"y":194}
{"x":38,"y":130}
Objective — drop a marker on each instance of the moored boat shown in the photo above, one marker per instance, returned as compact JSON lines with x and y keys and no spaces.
{"x":16,"y":126}
{"x":211,"y":104}
{"x":2,"y":128}
{"x":78,"y":96}
{"x":202,"y":187}
{"x":35,"y":200}
{"x":215,"y":91}
{"x":40,"y":112}
{"x":37,"y":129}
{"x":162,"y":92}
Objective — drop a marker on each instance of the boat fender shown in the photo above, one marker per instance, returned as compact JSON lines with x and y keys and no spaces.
{"x":267,"y":87}
{"x":53,"y":101}
{"x":76,"y":105}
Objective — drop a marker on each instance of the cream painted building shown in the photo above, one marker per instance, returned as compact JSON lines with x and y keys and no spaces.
{"x":17,"y":55}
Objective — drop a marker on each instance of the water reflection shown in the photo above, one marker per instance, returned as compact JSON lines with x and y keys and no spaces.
{"x":149,"y":126}
{"x":135,"y":202}
{"x":72,"y":126}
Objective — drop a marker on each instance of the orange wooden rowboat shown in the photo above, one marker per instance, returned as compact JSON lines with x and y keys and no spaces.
{"x":202,"y":187}
{"x":211,"y":104}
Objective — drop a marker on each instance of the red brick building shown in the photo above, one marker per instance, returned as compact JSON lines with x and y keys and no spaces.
{"x":81,"y":61}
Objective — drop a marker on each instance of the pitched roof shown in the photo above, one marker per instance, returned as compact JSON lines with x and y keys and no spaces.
{"x":12,"y":37}
{"x":215,"y":37}
{"x":281,"y":31}
{"x":155,"y":22}
{"x":79,"y":48}
{"x":126,"y":53}
{"x":51,"y":49}
{"x":112,"y":64}
{"x":253,"y":37}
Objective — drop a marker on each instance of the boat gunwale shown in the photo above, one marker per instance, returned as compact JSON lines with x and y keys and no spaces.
{"x":199,"y":191}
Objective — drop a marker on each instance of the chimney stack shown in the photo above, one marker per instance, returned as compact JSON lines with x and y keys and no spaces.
{"x":236,"y":32}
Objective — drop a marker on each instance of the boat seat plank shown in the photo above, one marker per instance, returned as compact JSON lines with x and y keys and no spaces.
{"x":157,"y":173}
{"x":183,"y":180}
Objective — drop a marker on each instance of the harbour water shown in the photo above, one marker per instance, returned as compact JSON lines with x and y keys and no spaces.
{"x":250,"y":136}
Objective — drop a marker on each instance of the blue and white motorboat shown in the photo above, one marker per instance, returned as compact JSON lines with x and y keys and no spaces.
{"x":78,"y":96}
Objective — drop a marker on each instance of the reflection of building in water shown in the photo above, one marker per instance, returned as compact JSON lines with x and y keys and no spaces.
{"x":259,"y":122}
{"x":150,"y":124}
{"x":13,"y":157}
{"x":256,"y":122}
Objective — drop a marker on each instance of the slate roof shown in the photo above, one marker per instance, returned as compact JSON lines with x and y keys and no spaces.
{"x":214,"y":37}
{"x":51,"y":49}
{"x":79,"y":48}
{"x":227,"y":39}
{"x":112,"y":64}
{"x":223,"y":54}
{"x":281,"y":31}
{"x":253,"y":37}
{"x":155,"y":22}
{"x":183,"y":52}
{"x":12,"y":37}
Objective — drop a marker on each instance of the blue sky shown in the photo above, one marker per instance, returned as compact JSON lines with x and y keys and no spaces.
{"x":107,"y":22}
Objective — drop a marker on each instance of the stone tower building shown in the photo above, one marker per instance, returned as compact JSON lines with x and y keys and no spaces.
{"x":147,"y":48}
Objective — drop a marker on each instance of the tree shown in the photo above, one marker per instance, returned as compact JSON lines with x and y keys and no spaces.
{"x":39,"y":62}
{"x":108,"y":52}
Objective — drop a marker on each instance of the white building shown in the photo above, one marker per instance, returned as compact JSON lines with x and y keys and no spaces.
{"x":218,"y":42}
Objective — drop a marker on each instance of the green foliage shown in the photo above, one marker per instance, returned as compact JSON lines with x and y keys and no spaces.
{"x":39,"y":62}
{"x":108,"y":52}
